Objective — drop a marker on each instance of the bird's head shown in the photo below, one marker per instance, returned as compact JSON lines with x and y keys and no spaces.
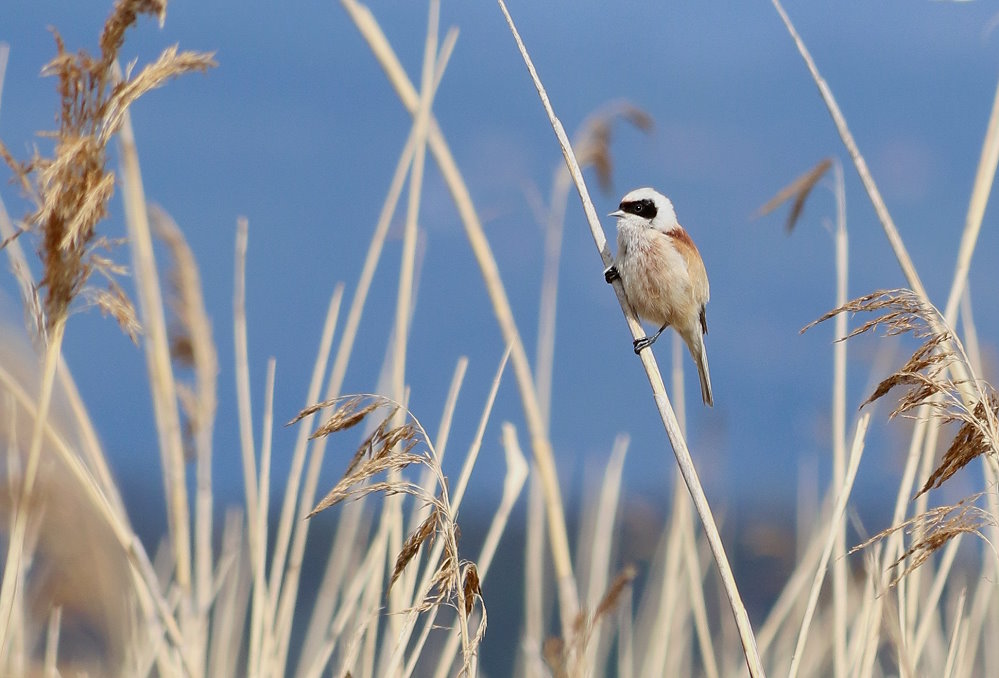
{"x":646,"y":207}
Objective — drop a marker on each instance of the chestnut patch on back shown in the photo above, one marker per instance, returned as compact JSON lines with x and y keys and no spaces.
{"x":682,"y":237}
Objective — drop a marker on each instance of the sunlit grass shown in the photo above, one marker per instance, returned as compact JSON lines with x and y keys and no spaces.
{"x":399,"y":594}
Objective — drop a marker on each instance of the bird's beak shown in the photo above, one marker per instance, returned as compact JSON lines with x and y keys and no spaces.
{"x":616,"y":213}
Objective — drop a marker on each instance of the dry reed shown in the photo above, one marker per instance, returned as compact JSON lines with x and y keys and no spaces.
{"x":233,"y":611}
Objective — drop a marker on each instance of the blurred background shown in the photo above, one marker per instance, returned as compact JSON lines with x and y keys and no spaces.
{"x":298,"y":130}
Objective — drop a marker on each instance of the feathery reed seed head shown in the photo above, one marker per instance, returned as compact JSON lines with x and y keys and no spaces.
{"x":72,"y":188}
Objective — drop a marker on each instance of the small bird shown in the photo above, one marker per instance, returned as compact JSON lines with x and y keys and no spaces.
{"x":662,"y":274}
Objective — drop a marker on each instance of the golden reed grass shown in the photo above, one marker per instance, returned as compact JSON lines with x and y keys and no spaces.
{"x":383,"y":575}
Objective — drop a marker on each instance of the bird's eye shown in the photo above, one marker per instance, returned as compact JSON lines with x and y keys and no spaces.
{"x":639,"y":208}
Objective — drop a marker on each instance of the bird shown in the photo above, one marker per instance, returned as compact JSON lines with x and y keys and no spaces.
{"x":663,"y":274}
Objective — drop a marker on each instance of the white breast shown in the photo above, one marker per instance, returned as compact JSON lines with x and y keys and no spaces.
{"x":655,"y":277}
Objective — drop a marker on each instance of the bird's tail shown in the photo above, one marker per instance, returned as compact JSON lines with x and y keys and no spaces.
{"x":700,"y":355}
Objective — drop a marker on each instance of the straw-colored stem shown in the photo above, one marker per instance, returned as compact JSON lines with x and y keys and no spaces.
{"x":695,"y":590}
{"x":150,"y":599}
{"x":513,"y":483}
{"x":229,"y":621}
{"x":4,"y":55}
{"x":261,"y":636}
{"x":242,"y":369}
{"x":283,"y":535}
{"x":835,"y":517}
{"x":894,"y":238}
{"x":289,"y":590}
{"x":206,"y":368}
{"x":655,"y":379}
{"x":957,"y":638}
{"x":292,"y":573}
{"x":910,"y":588}
{"x":405,"y":297}
{"x":839,"y":567}
{"x":534,"y":577}
{"x":782,"y":608}
{"x":548,"y":304}
{"x":662,"y":631}
{"x":898,"y":247}
{"x":407,"y":265}
{"x":157,"y":348}
{"x":429,"y":477}
{"x":369,"y":579}
{"x":932,"y":599}
{"x":52,"y":643}
{"x":348,"y":609}
{"x":983,"y":604}
{"x":682,"y":521}
{"x":12,"y":572}
{"x":602,"y":543}
{"x":984,"y":178}
{"x":29,"y":294}
{"x":447,"y":415}
{"x":540,"y":444}
{"x":453,"y":500}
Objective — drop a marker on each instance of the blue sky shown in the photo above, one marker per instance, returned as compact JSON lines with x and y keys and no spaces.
{"x":298,"y":130}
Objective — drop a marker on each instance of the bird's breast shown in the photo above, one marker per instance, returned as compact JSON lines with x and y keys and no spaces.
{"x":655,"y":277}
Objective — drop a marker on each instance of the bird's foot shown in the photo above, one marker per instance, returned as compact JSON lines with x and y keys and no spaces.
{"x":611,"y":274}
{"x":642,"y":343}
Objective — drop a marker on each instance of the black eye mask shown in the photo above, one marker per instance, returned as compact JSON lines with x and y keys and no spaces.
{"x":642,"y":208}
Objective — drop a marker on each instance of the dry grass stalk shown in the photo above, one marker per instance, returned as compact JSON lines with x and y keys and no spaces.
{"x":285,"y":525}
{"x":833,"y":530}
{"x":294,"y":544}
{"x":976,"y":437}
{"x":513,"y":483}
{"x":887,"y":223}
{"x":984,"y":180}
{"x":108,"y":515}
{"x":192,"y":346}
{"x":73,"y":187}
{"x":929,"y":392}
{"x":191,"y":343}
{"x":592,"y":143}
{"x":71,"y":190}
{"x":541,"y":444}
{"x":798,"y":190}
{"x":567,"y":658}
{"x":115,"y":303}
{"x":935,"y":528}
{"x":924,"y":376}
{"x":901,"y":253}
{"x":673,"y":431}
{"x":388,"y":449}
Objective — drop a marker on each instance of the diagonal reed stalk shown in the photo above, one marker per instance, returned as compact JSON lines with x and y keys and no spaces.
{"x":844,"y":488}
{"x":193,"y":335}
{"x":926,"y":430}
{"x":655,"y":379}
{"x":457,"y":495}
{"x":887,"y":223}
{"x":290,"y":573}
{"x":540,"y":443}
{"x":513,"y":482}
{"x":12,"y":571}
{"x":162,"y":385}
{"x":839,"y":573}
{"x":405,"y":298}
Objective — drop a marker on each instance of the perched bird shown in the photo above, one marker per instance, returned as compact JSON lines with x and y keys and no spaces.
{"x":662,"y":274}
